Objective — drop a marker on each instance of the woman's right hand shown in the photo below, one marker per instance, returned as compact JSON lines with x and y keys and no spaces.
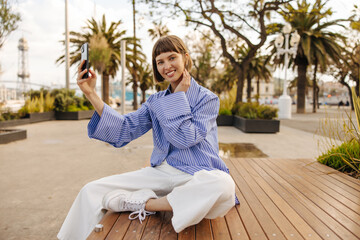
{"x":87,"y":85}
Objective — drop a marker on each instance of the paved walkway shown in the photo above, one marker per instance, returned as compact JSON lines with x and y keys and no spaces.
{"x":41,"y":176}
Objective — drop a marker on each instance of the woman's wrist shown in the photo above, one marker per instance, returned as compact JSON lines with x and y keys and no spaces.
{"x":96,"y":101}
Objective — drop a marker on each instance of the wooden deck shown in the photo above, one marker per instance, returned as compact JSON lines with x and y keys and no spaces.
{"x":280,"y":199}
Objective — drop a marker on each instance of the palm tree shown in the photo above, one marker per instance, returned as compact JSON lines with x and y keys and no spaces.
{"x":259,"y":69}
{"x":106,"y":43}
{"x":226,"y":79}
{"x":146,"y":80}
{"x":158,"y":31}
{"x":317,"y":43}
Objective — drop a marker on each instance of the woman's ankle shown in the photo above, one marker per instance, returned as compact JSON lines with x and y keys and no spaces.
{"x":158,"y":204}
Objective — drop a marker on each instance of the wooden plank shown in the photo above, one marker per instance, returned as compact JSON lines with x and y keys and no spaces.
{"x":292,"y":216}
{"x":334,"y":176}
{"x":267,"y":223}
{"x":153,"y":227}
{"x":336,"y":185}
{"x":312,"y":185}
{"x":187,"y":234}
{"x":251,"y":223}
{"x":135,"y":229}
{"x":278,"y":217}
{"x":282,"y":188}
{"x":203,"y":230}
{"x":308,"y":199}
{"x":350,"y":181}
{"x":108,"y":221}
{"x":167,"y":230}
{"x":219,"y":229}
{"x":330,"y":189}
{"x":120,"y":227}
{"x":235,"y":225}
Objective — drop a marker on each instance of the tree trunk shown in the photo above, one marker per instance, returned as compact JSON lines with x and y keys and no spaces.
{"x":317,"y":96}
{"x":240,"y":85}
{"x":258,"y":90}
{"x":143,"y":94}
{"x":248,"y":90}
{"x":301,"y":87}
{"x":135,"y":90}
{"x":342,"y":81}
{"x":105,"y":88}
{"x":314,"y":87}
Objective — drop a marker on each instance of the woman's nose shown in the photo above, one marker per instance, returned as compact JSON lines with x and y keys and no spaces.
{"x":166,"y":65}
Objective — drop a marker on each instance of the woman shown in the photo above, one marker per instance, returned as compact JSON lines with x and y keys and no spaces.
{"x":186,"y":175}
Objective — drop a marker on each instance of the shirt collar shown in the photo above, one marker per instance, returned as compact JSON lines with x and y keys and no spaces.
{"x":190,"y":93}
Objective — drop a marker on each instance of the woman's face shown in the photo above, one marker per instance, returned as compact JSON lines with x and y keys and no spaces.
{"x":171,"y":65}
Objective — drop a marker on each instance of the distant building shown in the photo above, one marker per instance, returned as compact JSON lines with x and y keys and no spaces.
{"x":266,"y":90}
{"x":7,"y":94}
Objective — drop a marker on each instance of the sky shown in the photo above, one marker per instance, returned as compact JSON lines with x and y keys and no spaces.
{"x":43,"y":25}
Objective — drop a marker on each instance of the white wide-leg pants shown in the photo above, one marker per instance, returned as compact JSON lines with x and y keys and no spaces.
{"x":207,"y":194}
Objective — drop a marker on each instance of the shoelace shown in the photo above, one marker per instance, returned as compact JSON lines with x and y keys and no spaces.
{"x":141,"y":214}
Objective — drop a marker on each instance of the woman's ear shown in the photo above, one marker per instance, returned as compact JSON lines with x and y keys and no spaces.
{"x":186,"y":61}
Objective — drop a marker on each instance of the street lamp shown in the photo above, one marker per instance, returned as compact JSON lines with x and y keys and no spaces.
{"x":285,"y":99}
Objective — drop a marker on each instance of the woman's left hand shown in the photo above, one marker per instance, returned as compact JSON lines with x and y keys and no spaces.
{"x":185,"y":82}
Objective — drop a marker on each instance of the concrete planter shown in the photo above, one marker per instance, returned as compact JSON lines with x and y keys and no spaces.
{"x":74,"y":115}
{"x":15,"y":122}
{"x":10,"y":135}
{"x":225,"y":120}
{"x":256,"y":125}
{"x":40,"y":117}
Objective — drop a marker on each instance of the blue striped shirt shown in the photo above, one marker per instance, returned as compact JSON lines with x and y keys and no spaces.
{"x":183,"y":123}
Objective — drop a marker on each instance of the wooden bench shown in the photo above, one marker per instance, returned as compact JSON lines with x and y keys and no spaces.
{"x":280,"y":199}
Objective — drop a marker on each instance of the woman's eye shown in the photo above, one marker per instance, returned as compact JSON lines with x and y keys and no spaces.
{"x":172,"y":58}
{"x":159,"y":63}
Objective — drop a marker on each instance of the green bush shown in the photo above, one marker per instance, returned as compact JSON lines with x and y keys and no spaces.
{"x":6,"y":114}
{"x":254,"y":111}
{"x":36,"y":103}
{"x":67,"y":101}
{"x":227,"y":101}
{"x":344,"y":158}
{"x":36,"y":93}
{"x":226,"y":112}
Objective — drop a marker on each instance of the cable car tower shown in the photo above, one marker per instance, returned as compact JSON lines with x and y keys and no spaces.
{"x":23,"y":67}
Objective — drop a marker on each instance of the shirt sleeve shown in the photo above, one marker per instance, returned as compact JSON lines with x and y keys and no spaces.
{"x":182,"y":126}
{"x":117,"y":129}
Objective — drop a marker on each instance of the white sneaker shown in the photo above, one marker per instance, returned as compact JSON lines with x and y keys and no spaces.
{"x":123,"y":201}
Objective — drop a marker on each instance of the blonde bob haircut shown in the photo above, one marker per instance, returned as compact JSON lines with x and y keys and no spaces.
{"x":169,"y":43}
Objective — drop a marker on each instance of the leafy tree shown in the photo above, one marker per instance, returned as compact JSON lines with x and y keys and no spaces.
{"x":204,"y":56}
{"x":229,"y":23}
{"x":317,"y":45}
{"x":8,"y":20}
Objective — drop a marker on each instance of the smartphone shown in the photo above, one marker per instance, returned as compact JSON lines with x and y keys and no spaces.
{"x":85,"y":56}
